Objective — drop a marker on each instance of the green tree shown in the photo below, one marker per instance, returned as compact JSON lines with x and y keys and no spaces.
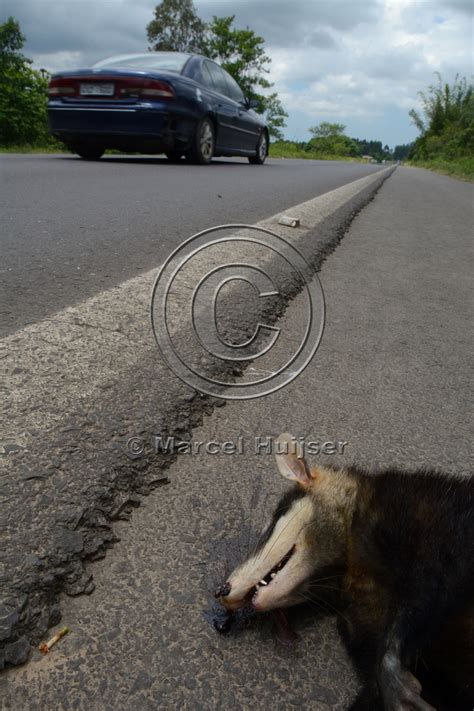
{"x":11,"y":41}
{"x":402,"y":151}
{"x":329,"y":140}
{"x":242,"y":54}
{"x":447,"y":124}
{"x":176,"y":27}
{"x":239,"y":52}
{"x":23,"y":92}
{"x":274,"y":115}
{"x":326,"y":129}
{"x":373,"y":149}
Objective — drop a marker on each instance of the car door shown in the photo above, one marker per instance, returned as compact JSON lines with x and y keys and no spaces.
{"x":247,"y":128}
{"x":225,"y":108}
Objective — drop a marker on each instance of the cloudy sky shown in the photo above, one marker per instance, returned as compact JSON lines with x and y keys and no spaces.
{"x":357,"y":62}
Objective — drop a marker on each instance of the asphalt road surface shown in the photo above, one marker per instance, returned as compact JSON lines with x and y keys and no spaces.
{"x":72,"y":228}
{"x":390,"y":378}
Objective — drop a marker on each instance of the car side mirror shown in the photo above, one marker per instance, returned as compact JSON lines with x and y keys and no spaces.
{"x":252,"y":103}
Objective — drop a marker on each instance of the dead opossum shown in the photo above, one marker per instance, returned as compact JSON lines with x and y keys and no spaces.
{"x":403,"y":544}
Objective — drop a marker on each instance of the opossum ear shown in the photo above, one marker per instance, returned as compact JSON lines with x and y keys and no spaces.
{"x":289,"y":459}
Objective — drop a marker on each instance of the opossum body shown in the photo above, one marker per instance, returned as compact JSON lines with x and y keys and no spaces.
{"x":403,"y":545}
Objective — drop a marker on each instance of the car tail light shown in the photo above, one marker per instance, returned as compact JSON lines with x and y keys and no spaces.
{"x":151,"y":88}
{"x":125,"y":87}
{"x":61,"y":87}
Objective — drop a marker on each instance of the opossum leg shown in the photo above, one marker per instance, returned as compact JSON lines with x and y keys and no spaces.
{"x":284,"y":632}
{"x":400,"y":689}
{"x":385,"y":645}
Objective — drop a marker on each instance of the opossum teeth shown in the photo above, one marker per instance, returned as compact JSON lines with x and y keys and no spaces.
{"x":269,"y":577}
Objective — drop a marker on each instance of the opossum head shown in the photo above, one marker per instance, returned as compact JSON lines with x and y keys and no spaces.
{"x":307,"y":535}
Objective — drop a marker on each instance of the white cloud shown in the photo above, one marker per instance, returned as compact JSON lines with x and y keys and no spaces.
{"x":378,"y":68}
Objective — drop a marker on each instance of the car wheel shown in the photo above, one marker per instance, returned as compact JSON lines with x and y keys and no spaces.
{"x":203,"y":143}
{"x":174,"y":156}
{"x":260,"y":151}
{"x":89,"y":152}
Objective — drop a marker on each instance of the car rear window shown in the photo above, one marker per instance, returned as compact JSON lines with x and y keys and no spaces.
{"x":171,"y":62}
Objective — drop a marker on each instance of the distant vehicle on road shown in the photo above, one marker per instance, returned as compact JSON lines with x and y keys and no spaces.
{"x":158,"y":102}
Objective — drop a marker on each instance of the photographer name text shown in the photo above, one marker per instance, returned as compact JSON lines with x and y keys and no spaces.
{"x":265,"y":445}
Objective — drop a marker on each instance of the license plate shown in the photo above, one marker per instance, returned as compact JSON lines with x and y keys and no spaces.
{"x":97,"y":89}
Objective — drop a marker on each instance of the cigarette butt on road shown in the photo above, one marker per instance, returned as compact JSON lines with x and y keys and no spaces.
{"x":289,"y":221}
{"x":46,"y":646}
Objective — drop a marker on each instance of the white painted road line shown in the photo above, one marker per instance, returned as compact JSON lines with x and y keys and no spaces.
{"x":58,"y":364}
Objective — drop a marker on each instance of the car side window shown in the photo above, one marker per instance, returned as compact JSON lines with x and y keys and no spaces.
{"x":193,"y":71}
{"x":206,"y":77}
{"x":235,"y":92}
{"x":218,"y":78}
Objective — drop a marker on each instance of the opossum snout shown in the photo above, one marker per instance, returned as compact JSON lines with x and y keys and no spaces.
{"x":223,"y":590}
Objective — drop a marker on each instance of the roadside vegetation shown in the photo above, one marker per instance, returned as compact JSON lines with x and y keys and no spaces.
{"x":329,"y":142}
{"x":446,"y":125}
{"x":23,"y":120}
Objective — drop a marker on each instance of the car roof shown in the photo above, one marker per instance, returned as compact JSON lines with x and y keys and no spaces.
{"x":136,"y":55}
{"x":140,"y":55}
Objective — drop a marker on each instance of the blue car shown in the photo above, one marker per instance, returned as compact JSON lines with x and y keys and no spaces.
{"x":158,"y":102}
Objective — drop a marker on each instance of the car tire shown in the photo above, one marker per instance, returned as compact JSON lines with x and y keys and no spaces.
{"x":261,"y":150}
{"x":202,"y":149}
{"x":89,"y":152}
